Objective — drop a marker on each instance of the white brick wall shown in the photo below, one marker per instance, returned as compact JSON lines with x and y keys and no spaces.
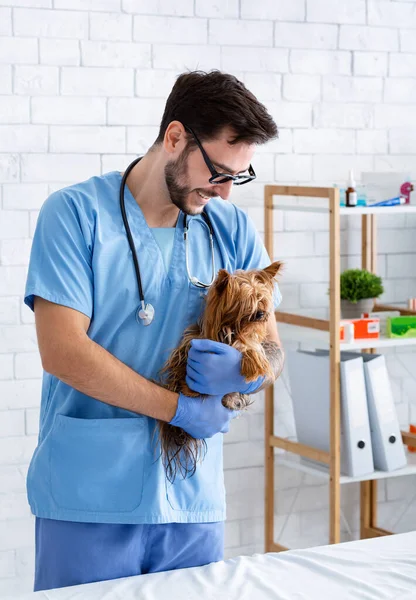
{"x":82,"y":89}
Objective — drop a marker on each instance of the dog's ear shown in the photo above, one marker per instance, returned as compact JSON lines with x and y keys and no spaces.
{"x":273,"y":269}
{"x":221,"y":282}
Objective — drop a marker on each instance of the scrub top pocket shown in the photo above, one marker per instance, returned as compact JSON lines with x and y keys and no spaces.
{"x":97,"y":465}
{"x":204,"y":491}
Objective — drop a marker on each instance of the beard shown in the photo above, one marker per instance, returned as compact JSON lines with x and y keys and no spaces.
{"x":176,"y":172}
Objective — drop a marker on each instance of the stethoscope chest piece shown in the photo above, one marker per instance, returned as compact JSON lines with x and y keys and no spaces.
{"x":145,"y":315}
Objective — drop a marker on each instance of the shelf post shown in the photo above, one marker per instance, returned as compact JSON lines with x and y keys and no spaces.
{"x":269,"y":402}
{"x":368,"y":489}
{"x":334,"y":353}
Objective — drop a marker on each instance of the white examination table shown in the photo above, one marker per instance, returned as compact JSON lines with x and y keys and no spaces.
{"x":377,"y":569}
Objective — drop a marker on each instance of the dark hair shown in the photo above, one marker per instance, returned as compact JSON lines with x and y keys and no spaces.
{"x":208,"y":102}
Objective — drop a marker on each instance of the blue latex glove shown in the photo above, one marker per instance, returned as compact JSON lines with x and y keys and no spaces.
{"x":202,"y":418}
{"x":215,"y":368}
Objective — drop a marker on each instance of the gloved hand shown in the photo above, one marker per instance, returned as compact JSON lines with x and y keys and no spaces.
{"x":215,"y":368}
{"x":202,"y":418}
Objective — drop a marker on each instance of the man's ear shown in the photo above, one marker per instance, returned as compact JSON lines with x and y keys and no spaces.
{"x":273,"y":269}
{"x":221,"y":281}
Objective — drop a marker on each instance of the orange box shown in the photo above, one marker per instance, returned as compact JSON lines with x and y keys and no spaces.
{"x":363,"y":328}
{"x":412,"y":429}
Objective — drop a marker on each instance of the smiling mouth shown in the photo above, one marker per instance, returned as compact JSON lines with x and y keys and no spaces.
{"x":203,"y":196}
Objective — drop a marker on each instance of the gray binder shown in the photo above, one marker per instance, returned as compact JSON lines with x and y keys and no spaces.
{"x":388,"y":449}
{"x":310,"y":386}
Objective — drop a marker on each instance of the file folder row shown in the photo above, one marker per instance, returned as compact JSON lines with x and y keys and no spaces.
{"x":370,"y":431}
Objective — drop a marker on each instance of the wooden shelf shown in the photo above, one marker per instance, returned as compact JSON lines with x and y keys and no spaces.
{"x":299,"y":463}
{"x":324,"y":333}
{"x":350,"y":211}
{"x":308,"y":335}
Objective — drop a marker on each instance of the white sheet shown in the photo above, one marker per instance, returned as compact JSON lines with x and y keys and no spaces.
{"x":377,"y":569}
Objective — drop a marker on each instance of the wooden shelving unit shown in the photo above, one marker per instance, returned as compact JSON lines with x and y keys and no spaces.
{"x":326,"y":332}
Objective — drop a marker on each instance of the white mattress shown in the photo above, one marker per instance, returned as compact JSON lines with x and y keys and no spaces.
{"x":377,"y":569}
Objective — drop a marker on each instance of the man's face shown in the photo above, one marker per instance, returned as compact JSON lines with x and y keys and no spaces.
{"x":187,"y":177}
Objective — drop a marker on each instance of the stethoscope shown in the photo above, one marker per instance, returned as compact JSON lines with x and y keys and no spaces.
{"x":146,"y":312}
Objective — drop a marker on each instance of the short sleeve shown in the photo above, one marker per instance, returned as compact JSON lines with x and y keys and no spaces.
{"x":251,"y":252}
{"x":60,"y":261}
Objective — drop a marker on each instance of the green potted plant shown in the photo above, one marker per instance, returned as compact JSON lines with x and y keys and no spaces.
{"x":359,"y":289}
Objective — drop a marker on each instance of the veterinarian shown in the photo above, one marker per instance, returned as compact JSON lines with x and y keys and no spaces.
{"x":96,"y":484}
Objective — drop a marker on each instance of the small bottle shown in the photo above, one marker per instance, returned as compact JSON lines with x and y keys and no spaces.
{"x":351,"y":194}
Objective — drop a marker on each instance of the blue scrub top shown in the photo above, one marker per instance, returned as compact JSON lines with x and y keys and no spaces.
{"x":95,"y":462}
{"x":165,"y":237}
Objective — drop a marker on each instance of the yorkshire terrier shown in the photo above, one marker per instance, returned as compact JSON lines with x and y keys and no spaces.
{"x":236,"y":313}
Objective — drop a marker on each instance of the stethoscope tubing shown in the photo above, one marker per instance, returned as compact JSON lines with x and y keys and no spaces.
{"x":206,"y":218}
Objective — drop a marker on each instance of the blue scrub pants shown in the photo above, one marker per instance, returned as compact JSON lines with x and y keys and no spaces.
{"x":69,"y":553}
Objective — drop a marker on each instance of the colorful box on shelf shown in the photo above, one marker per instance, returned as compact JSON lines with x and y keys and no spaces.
{"x":401,"y":327}
{"x":359,"y":329}
{"x":383,"y":315}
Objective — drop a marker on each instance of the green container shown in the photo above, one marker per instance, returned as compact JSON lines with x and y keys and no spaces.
{"x":401,"y":327}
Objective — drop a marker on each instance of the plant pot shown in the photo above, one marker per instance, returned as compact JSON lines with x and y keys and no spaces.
{"x":349,"y":310}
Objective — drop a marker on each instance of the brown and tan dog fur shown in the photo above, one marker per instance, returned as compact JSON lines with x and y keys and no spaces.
{"x":236,"y":313}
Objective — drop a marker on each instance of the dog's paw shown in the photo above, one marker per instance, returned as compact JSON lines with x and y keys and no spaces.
{"x":236,"y":401}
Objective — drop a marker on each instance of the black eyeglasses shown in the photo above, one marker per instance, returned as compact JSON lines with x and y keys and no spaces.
{"x":222,"y":177}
